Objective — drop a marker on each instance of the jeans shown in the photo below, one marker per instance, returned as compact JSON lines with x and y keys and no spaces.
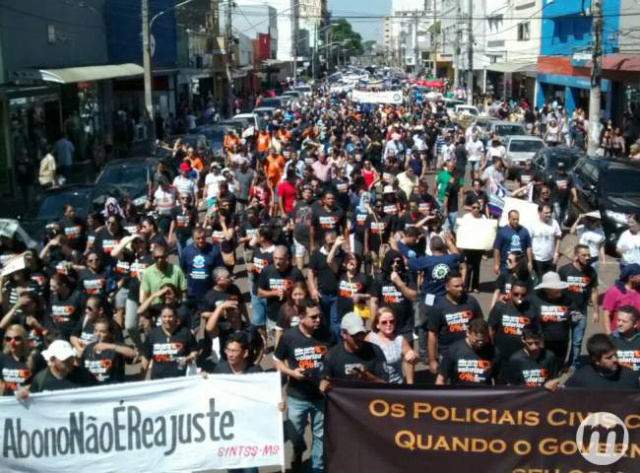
{"x":301,"y":412}
{"x":577,"y":335}
{"x":329,"y":306}
{"x":543,"y":267}
{"x":559,"y":211}
{"x":180,"y":247}
{"x":452,"y":221}
{"x":474,"y":259}
{"x":258,"y":311}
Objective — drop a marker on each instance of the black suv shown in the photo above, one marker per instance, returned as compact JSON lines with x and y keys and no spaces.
{"x":610,"y":186}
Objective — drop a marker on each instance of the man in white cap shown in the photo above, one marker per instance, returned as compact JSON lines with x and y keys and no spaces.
{"x":354,"y":358}
{"x":554,"y":307}
{"x":62,"y":371}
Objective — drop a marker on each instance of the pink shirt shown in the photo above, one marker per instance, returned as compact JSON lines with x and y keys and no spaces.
{"x":614,"y":298}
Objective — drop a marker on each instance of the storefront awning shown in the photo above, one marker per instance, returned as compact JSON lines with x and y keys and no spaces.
{"x":621,"y":62}
{"x":72,"y":75}
{"x":512,"y":67}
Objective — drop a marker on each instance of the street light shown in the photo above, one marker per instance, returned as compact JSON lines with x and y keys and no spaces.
{"x":146,"y":55}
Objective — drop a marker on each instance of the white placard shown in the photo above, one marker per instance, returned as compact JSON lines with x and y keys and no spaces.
{"x":476,"y":233}
{"x":172,"y":425}
{"x":528,"y":212}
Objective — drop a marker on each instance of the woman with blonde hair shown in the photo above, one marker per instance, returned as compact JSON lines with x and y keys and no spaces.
{"x":16,"y":362}
{"x":400,"y":356}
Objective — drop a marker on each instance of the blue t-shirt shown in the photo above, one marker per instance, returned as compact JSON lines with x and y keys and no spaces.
{"x":197,"y":266}
{"x":508,"y":240}
{"x":435,"y":270}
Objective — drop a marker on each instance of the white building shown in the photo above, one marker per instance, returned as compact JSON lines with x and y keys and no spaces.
{"x":405,"y":32}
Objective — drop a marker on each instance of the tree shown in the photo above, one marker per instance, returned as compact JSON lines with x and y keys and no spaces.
{"x":342,"y":32}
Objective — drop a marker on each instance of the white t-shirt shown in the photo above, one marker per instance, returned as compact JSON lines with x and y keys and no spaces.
{"x":211,"y":184}
{"x":475,"y":150}
{"x":184,"y":185}
{"x":164,"y":201}
{"x":543,"y":239}
{"x":593,"y":238}
{"x":629,"y":247}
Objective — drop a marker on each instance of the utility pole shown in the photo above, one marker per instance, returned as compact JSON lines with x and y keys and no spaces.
{"x":229,"y":61}
{"x":436,"y":33}
{"x":456,"y":48}
{"x":470,"y":54}
{"x":146,"y":64}
{"x":596,"y":78}
{"x":294,"y":40}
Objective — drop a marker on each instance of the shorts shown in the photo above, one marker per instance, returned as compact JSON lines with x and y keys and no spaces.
{"x":299,"y":249}
{"x":474,"y":165}
{"x":121,"y":298}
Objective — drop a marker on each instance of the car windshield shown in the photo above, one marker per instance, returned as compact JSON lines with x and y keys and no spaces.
{"x":276,"y":103}
{"x":504,"y":130}
{"x":50,"y":207}
{"x":123,"y":174}
{"x":568,"y":160}
{"x":621,"y":182}
{"x":522,"y":146}
{"x":213,"y":134}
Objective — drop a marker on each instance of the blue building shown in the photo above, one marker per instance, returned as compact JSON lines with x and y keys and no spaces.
{"x":565,"y":52}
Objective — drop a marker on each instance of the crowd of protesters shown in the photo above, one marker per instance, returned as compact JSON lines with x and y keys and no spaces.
{"x":352,"y":264}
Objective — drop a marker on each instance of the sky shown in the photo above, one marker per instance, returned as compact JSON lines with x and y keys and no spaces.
{"x":369,"y":29}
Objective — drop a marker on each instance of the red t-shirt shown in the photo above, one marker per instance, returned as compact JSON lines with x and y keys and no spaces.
{"x":287,"y":192}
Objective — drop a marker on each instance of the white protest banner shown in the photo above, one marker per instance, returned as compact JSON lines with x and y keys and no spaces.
{"x":476,"y":233}
{"x":390,"y":96}
{"x":14,"y":264}
{"x":528,"y":212}
{"x":172,"y":425}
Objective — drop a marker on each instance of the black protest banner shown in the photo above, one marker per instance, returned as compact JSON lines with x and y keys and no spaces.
{"x":387,"y":428}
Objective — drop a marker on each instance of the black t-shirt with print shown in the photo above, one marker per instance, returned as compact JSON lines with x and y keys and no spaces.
{"x":389,"y":295}
{"x":341,"y":364}
{"x":463,"y":365}
{"x":588,"y":377}
{"x":554,"y":317}
{"x":262,"y":257}
{"x":107,"y":366}
{"x":184,"y":219}
{"x":325,"y":220}
{"x":65,"y":313}
{"x":14,"y":374}
{"x":522,"y":370}
{"x":326,"y":278}
{"x":450,"y":321}
{"x":105,"y":243}
{"x":166,"y":351}
{"x":92,"y":284}
{"x":507,"y":321}
{"x":136,"y":268}
{"x":74,"y":231}
{"x":348,"y":286}
{"x":306,"y":353}
{"x":628,"y":350}
{"x":380,"y":229}
{"x":271,"y":279}
{"x":581,"y":284}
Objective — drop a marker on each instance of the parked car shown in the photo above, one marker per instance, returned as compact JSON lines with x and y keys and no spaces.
{"x":504,"y":129}
{"x":262,"y":111}
{"x":546,"y":160}
{"x":304,"y":89}
{"x":49,"y":204}
{"x":252,"y":119}
{"x":275,"y":102}
{"x":610,"y":186}
{"x":214,"y":134}
{"x":125,"y":177}
{"x":293,"y":93}
{"x":520,"y":149}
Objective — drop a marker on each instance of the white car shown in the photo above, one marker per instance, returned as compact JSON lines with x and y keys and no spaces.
{"x":252,"y":118}
{"x":519,"y":150}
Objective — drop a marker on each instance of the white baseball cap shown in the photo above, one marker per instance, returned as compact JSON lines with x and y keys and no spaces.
{"x":60,"y":350}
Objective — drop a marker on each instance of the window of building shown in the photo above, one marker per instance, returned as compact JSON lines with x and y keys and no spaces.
{"x":523,"y":31}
